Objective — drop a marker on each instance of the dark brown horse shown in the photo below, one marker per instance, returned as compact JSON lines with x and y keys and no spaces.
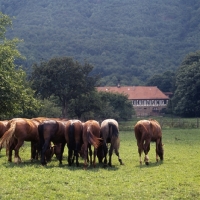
{"x":147,"y":131}
{"x":52,"y":131}
{"x":18,"y":131}
{"x":91,"y":136}
{"x":73,"y":136}
{"x":109,"y":134}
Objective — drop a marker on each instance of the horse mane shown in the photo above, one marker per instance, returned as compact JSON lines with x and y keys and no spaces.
{"x":7,"y":138}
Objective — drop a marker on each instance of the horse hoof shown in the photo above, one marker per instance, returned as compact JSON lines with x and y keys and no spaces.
{"x":147,"y":163}
{"x":105,"y":166}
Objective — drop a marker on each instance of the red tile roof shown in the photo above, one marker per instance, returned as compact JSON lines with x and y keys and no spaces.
{"x":136,"y":92}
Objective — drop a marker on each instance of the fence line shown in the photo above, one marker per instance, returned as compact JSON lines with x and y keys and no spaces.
{"x":179,"y":123}
{"x":165,"y":123}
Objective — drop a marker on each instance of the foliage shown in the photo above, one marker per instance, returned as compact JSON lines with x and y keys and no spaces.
{"x":165,"y":81}
{"x":186,"y":97}
{"x":64,"y":78}
{"x":114,"y":105}
{"x":176,"y":178}
{"x":129,"y":40}
{"x":16,"y":95}
{"x":50,"y":108}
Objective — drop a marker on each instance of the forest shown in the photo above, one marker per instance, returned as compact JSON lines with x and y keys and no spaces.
{"x":127,"y":40}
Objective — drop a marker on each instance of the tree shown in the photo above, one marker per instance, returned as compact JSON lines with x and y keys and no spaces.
{"x":186,"y":100}
{"x":165,"y":81}
{"x":64,"y":78}
{"x":16,"y":96}
{"x":114,"y":105}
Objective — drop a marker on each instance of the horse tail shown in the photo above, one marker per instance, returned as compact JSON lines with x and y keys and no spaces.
{"x":92,"y":139}
{"x":138,"y":131}
{"x":71,"y":136}
{"x":41,"y":135}
{"x":113,"y":129}
{"x":7,"y":139}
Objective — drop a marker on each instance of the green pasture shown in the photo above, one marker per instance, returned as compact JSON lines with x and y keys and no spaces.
{"x":177,"y":177}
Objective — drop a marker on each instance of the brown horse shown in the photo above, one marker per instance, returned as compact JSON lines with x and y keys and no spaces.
{"x":73,"y":136}
{"x":3,"y":125}
{"x":3,"y":128}
{"x":109,"y":134}
{"x":52,"y":131}
{"x":147,"y":131}
{"x":91,"y":136}
{"x":18,"y":131}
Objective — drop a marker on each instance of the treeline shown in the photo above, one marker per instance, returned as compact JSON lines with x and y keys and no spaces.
{"x":128,"y":40}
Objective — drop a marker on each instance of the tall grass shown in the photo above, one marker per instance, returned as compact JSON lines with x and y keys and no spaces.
{"x":177,"y":177}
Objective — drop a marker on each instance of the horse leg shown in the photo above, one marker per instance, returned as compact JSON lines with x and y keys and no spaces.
{"x":61,"y":154}
{"x":76,"y":153}
{"x":90,"y":153}
{"x":17,"y":158}
{"x":9,"y":155}
{"x":146,"y":150}
{"x":110,"y":155}
{"x":94,"y":158}
{"x":105,"y":149}
{"x":140,"y":150}
{"x":69,"y":156}
{"x":85,"y":148}
{"x":43,"y":150}
{"x":119,"y":159}
{"x":34,"y":151}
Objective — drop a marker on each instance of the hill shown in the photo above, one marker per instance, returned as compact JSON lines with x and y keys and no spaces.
{"x":127,"y":40}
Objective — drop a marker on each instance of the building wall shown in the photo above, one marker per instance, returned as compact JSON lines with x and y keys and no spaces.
{"x":145,"y":108}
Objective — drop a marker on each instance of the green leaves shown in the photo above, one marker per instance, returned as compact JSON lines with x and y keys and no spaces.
{"x":16,"y":96}
{"x":186,"y":96}
{"x":64,"y":78}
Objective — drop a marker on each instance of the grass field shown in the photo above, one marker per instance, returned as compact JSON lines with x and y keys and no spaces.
{"x":178,"y":177}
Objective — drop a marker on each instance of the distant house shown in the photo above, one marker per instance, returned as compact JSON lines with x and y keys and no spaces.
{"x":146,"y":100}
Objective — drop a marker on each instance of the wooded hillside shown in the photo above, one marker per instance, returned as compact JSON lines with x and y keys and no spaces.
{"x":129,"y":40}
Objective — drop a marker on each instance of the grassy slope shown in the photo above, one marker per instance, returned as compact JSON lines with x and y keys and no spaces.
{"x":176,"y":178}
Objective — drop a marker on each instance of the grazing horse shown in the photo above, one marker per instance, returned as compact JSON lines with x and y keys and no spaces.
{"x":18,"y":131}
{"x":73,"y":136}
{"x":91,"y":136}
{"x":109,"y":134}
{"x":52,"y":131}
{"x":147,"y":131}
{"x":3,"y":128}
{"x":3,"y":125}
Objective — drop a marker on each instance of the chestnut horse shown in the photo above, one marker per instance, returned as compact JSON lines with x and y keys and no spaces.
{"x":91,"y":136}
{"x":18,"y":131}
{"x":73,"y":136}
{"x":109,"y":134}
{"x":3,"y":125}
{"x":52,"y":131}
{"x":147,"y":131}
{"x":3,"y":128}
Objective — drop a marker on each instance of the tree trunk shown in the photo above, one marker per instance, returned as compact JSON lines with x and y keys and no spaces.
{"x":64,"y":109}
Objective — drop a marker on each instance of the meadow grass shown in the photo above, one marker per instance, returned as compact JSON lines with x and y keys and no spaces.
{"x":177,"y":177}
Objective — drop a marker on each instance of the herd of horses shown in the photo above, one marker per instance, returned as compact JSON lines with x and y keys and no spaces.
{"x":49,"y":136}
